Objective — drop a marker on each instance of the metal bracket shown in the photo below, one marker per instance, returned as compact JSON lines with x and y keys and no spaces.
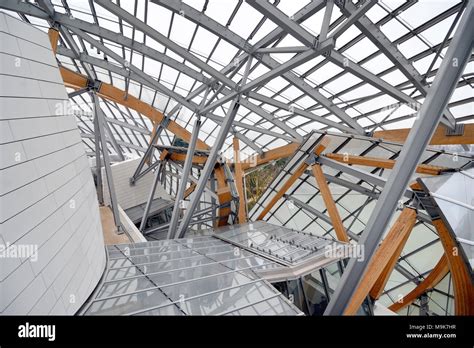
{"x":456,"y":131}
{"x":94,"y":85}
{"x":369,"y":134}
{"x":165,"y":122}
{"x":312,"y":159}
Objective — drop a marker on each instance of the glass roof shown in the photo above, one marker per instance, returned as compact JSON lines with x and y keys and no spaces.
{"x":172,"y":55}
{"x":355,"y":189}
{"x":194,"y":276}
{"x":416,"y":29}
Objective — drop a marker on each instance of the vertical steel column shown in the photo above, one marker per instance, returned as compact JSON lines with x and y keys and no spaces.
{"x":211,"y":159}
{"x":430,"y":114}
{"x":208,"y":168}
{"x":188,"y":163}
{"x":239,"y":181}
{"x":213,"y":200}
{"x":98,"y":165}
{"x":150,"y":197}
{"x":99,"y":119}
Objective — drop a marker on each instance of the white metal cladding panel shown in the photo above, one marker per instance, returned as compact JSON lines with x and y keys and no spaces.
{"x":47,"y":196}
{"x":127,"y":195}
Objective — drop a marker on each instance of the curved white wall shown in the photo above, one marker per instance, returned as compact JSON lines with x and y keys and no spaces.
{"x":47,"y":195}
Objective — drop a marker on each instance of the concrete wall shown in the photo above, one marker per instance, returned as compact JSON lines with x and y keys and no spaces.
{"x":130,"y":195}
{"x":48,"y":202}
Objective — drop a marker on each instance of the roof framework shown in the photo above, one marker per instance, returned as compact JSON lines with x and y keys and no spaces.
{"x":348,"y":68}
{"x":185,"y":47}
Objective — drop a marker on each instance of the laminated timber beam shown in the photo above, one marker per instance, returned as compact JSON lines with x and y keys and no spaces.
{"x":181,"y":157}
{"x":291,"y":180}
{"x":439,"y":137}
{"x":330,"y":204}
{"x":224,"y":195}
{"x":53,"y":35}
{"x":239,"y":176}
{"x":436,"y":275}
{"x":271,"y":155}
{"x":78,"y":81}
{"x":189,"y":190}
{"x":382,"y":163}
{"x":383,"y":258}
{"x":460,"y":274}
{"x":382,"y":280}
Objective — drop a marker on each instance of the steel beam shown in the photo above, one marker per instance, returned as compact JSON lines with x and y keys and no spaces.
{"x":162,"y":39}
{"x":275,"y":15}
{"x":151,"y":195}
{"x":358,"y":173}
{"x":355,"y":15}
{"x":98,"y":165}
{"x":112,"y":139}
{"x":218,"y":119}
{"x":275,"y":72}
{"x":276,"y":50}
{"x":297,"y":111}
{"x":208,"y":168}
{"x":77,"y":92}
{"x":308,"y":208}
{"x":108,"y":171}
{"x":390,"y":50}
{"x":249,"y":142}
{"x":326,"y":20}
{"x":127,"y":125}
{"x":146,"y":155}
{"x":182,"y":185}
{"x":191,"y":178}
{"x":430,"y":114}
{"x":228,"y":35}
{"x":239,"y":181}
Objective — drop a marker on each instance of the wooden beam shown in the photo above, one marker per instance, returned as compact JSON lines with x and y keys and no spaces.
{"x":381,"y":163}
{"x":439,"y":137}
{"x":239,"y":181}
{"x":189,"y":190}
{"x":460,"y":274}
{"x":379,"y":285}
{"x":415,"y":186}
{"x":330,"y":204}
{"x":73,"y":79}
{"x":78,"y":81}
{"x":397,"y":234}
{"x":164,"y":155}
{"x":181,"y":157}
{"x":299,"y":171}
{"x":270,"y":155}
{"x":436,"y":275}
{"x":53,"y":35}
